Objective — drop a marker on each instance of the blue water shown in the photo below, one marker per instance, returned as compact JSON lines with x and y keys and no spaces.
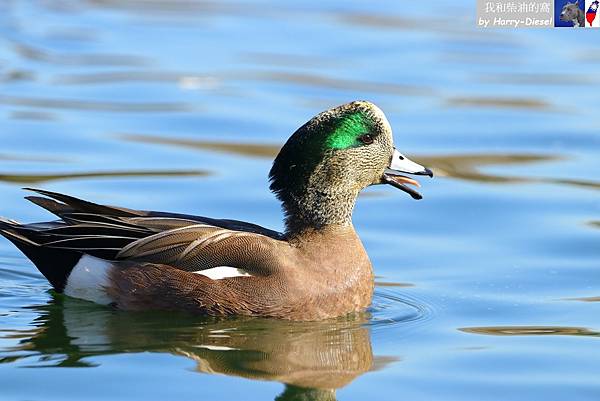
{"x":487,"y":289}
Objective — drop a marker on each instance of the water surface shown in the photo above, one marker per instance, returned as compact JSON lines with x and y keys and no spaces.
{"x":487,"y":289}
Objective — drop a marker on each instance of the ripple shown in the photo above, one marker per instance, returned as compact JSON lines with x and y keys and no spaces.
{"x":183,"y":7}
{"x":589,"y":184}
{"x":33,"y":53}
{"x":242,"y":149}
{"x":32,"y":158}
{"x":322,"y":81}
{"x":531,"y":331}
{"x":17,"y":75}
{"x":87,"y":105}
{"x":502,"y":103}
{"x":380,"y":21}
{"x":465,"y":167}
{"x":390,"y":284}
{"x":185,"y":80}
{"x":288,"y":60}
{"x":586,"y":299}
{"x":44,"y":177}
{"x":32,"y":115}
{"x":390,"y":308}
{"x":11,"y":271}
{"x":470,"y":58}
{"x":71,"y":34}
{"x":540,"y":79}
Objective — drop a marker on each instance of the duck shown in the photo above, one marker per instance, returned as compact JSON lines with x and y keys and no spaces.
{"x":316,"y":269}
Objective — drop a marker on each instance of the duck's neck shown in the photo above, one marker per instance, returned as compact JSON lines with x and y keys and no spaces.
{"x":314,"y":209}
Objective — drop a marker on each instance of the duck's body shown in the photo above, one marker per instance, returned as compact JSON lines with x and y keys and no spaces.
{"x":305,"y":281}
{"x":318,"y":268}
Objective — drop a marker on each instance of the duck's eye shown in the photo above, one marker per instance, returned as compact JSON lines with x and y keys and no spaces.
{"x":367,"y":139}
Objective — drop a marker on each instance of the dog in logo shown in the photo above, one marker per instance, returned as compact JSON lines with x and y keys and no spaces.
{"x":572,"y":12}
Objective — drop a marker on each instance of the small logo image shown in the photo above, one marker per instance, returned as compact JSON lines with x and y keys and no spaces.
{"x":591,"y":15}
{"x":569,"y":14}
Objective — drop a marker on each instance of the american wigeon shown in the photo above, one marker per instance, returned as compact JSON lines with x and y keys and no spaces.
{"x":316,"y":269}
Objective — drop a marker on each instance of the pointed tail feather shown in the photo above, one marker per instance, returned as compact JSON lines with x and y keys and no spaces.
{"x":50,"y":205}
{"x":81,"y":205}
{"x":55,"y":264}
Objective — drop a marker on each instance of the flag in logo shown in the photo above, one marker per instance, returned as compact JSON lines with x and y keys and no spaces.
{"x":591,"y":14}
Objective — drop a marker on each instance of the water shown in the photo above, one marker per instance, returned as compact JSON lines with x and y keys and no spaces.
{"x":487,"y":289}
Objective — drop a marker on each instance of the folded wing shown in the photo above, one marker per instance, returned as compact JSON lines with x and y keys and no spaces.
{"x":191,"y":243}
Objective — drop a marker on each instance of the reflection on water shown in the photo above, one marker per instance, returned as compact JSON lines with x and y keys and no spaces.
{"x":16,"y":76}
{"x":540,"y":79}
{"x":462,"y":166}
{"x":531,"y":331}
{"x":39,"y":54}
{"x":290,"y":60}
{"x":32,"y":115}
{"x":380,"y":21}
{"x":353,"y":86}
{"x":312,"y":358}
{"x":497,"y":102}
{"x":212,"y":81}
{"x":31,"y":158}
{"x":90,"y":105}
{"x":467,"y":167}
{"x":391,"y":284}
{"x":185,"y":80}
{"x":587,"y":299}
{"x":37,"y":178}
{"x":241,"y":149}
{"x":190,"y":8}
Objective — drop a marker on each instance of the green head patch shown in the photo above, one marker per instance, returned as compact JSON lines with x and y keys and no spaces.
{"x":347,"y":130}
{"x":335,"y":129}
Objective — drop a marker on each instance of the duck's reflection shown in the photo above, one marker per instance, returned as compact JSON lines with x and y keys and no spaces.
{"x":312,"y":359}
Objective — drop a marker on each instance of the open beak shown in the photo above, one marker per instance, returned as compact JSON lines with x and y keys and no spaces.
{"x":402,"y":164}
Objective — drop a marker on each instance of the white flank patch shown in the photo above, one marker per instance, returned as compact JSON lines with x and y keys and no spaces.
{"x":219,"y":272}
{"x":89,"y":279}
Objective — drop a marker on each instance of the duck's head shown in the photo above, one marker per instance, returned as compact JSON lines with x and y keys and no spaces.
{"x":325,"y":164}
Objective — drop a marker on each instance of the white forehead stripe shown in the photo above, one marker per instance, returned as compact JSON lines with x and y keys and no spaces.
{"x":220,"y":272}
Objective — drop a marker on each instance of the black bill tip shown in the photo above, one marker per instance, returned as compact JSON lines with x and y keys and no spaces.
{"x":426,"y":171}
{"x":414,"y":194}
